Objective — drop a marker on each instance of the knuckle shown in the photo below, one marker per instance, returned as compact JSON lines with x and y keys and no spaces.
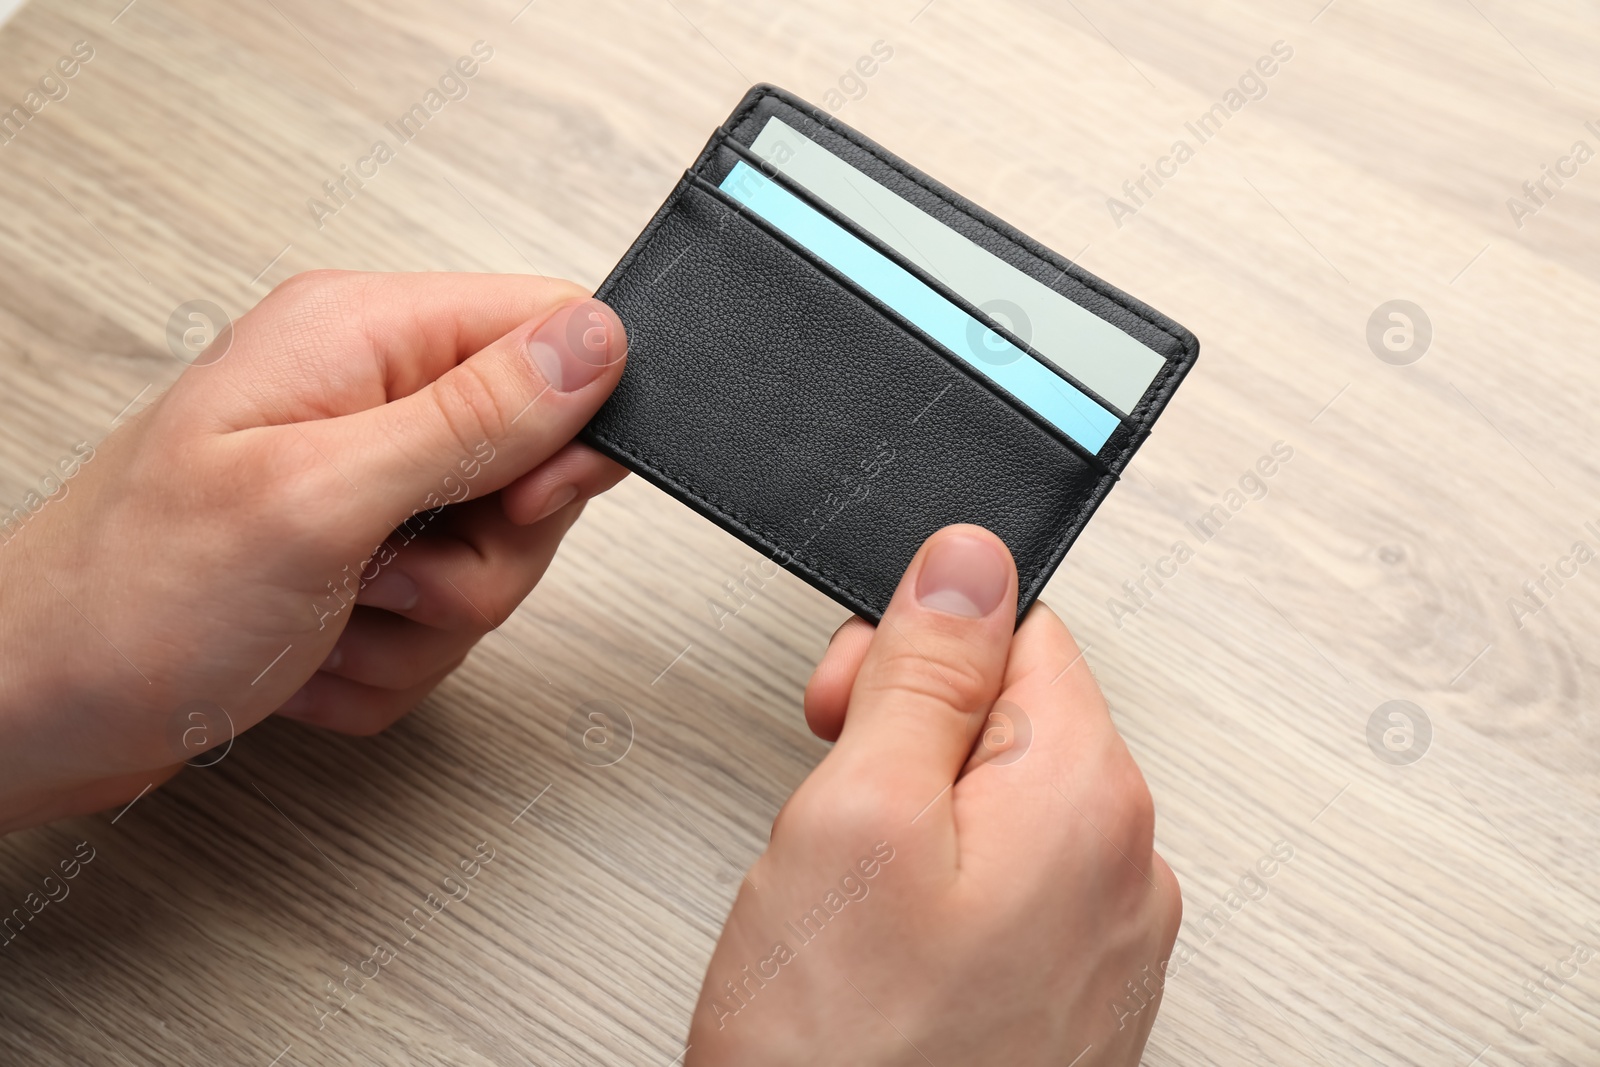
{"x":1135,"y":814}
{"x":1138,"y":806}
{"x":470,"y":406}
{"x":500,"y":607}
{"x":305,"y":317}
{"x":956,"y":680}
{"x":866,"y":809}
{"x":314,"y":283}
{"x":1117,"y":803}
{"x":1170,"y":902}
{"x":489,"y":604}
{"x":791,"y":820}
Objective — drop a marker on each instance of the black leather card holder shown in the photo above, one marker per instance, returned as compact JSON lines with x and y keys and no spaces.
{"x":785,"y":403}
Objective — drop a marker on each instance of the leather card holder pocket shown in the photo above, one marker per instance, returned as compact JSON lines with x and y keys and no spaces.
{"x":770,"y":392}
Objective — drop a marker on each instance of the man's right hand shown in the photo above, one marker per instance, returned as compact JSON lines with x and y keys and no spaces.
{"x":968,"y":877}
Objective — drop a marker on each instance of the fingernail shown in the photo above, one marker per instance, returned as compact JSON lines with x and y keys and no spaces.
{"x":390,"y":590}
{"x":558,"y":500}
{"x":575,"y":344}
{"x":962,"y":576}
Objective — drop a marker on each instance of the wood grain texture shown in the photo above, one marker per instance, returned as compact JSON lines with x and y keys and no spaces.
{"x":1378,"y":565}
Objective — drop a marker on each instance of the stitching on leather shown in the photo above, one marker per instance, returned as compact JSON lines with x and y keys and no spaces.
{"x":919,"y":180}
{"x":876,"y":306}
{"x":1171,"y":367}
{"x":810,"y":563}
{"x":653,"y":229}
{"x":745,"y":112}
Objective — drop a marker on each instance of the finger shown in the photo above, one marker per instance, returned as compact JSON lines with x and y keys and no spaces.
{"x":935,"y":664}
{"x":471,"y":570}
{"x":1048,"y":683}
{"x":1050,"y":735}
{"x":1169,"y":901}
{"x":575,"y":472}
{"x":88,"y":797}
{"x":382,"y":650}
{"x":828,"y":692}
{"x":330,"y":342}
{"x":1164,"y":908}
{"x":347,"y":707}
{"x":477,"y":427}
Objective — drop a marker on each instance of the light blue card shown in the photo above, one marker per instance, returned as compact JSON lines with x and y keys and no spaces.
{"x":1052,"y":397}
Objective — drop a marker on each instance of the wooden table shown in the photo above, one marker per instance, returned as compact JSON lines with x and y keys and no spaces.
{"x":1379,"y":562}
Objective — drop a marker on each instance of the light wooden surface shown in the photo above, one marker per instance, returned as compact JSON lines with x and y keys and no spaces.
{"x":1419,"y":498}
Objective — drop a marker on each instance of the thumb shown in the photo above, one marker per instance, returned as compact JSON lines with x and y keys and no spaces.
{"x":485,"y":421}
{"x":935,"y":665}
